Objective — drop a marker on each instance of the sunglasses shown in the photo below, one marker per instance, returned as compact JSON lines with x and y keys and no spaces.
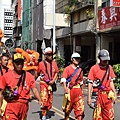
{"x":50,"y":54}
{"x":76,"y":58}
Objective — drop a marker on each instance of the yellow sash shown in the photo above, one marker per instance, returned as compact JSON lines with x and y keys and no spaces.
{"x":4,"y":104}
{"x":111,"y":95}
{"x":66,"y":99}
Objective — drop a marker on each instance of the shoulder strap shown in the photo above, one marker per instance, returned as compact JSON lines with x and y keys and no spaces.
{"x":47,"y":69}
{"x":107,"y":69}
{"x":108,"y":72}
{"x":69,"y":79}
{"x":22,"y":79}
{"x":6,"y":70}
{"x":78,"y":76}
{"x":1,"y":71}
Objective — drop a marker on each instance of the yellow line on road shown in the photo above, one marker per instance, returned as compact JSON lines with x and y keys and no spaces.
{"x":59,"y":112}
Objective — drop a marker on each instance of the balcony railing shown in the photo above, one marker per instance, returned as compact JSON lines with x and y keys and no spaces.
{"x":85,"y":3}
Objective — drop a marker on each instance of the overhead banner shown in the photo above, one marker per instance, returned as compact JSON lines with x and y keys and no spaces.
{"x":19,"y":9}
{"x":115,"y":3}
{"x":108,"y":17}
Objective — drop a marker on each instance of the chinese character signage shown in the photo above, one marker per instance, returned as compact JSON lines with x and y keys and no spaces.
{"x":109,"y":17}
{"x":115,"y":3}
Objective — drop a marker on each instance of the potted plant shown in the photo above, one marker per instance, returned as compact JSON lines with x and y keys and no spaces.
{"x":61,"y":63}
{"x":116,"y":69}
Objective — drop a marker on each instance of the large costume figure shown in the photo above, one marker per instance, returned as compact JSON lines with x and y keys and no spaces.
{"x":1,"y":35}
{"x":31,"y":62}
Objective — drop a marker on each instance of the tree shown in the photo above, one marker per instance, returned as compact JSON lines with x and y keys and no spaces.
{"x":61,"y":63}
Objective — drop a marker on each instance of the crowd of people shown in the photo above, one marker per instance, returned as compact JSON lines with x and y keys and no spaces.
{"x":17,"y":81}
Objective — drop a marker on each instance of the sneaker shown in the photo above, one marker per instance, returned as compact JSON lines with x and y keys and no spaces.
{"x":47,"y":117}
{"x":43,"y":117}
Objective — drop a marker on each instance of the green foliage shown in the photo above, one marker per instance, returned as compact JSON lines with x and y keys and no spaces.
{"x":73,"y":2}
{"x":67,"y":9}
{"x":91,"y":1}
{"x":90,"y":13}
{"x":71,"y":6}
{"x":116,"y":69}
{"x":61,"y":63}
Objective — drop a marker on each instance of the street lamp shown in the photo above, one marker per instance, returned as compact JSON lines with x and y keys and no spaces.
{"x":54,"y":22}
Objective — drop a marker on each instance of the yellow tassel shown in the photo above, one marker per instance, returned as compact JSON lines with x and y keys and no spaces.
{"x":4,"y":104}
{"x":111,"y":95}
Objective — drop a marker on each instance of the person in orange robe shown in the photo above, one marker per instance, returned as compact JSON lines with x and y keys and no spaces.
{"x":17,"y":101}
{"x":46,"y":80}
{"x":3,"y":64}
{"x":73,"y":89}
{"x":103,"y":110}
{"x":30,"y":63}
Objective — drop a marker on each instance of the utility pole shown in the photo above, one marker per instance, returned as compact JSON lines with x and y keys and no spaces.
{"x":96,"y":31}
{"x":54,"y":23}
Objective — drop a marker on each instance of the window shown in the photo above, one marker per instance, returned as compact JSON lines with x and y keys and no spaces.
{"x":105,"y":3}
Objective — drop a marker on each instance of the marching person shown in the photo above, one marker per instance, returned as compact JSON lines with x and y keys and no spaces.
{"x":48,"y":71}
{"x":100,"y":84}
{"x":15,"y":86}
{"x":72,"y":80}
{"x":3,"y":63}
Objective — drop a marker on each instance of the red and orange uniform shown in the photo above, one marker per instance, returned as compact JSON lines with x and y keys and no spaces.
{"x":76,"y":94}
{"x":104,"y":109}
{"x":18,"y":107}
{"x":46,"y":93}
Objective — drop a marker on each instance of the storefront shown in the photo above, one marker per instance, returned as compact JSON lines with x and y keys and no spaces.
{"x":109,"y":26}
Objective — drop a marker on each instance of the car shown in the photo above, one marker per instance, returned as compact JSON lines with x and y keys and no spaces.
{"x":86,"y":67}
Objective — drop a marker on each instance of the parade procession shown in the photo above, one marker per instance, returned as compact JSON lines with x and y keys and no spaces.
{"x":59,"y":60}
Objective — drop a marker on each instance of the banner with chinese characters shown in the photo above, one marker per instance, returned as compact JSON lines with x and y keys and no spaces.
{"x":115,"y":3}
{"x":108,"y":17}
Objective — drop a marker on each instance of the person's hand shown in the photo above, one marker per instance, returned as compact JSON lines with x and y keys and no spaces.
{"x":89,"y":101}
{"x":0,"y":114}
{"x":51,"y":82}
{"x":40,"y":103}
{"x":115,"y":100}
{"x":66,"y":90}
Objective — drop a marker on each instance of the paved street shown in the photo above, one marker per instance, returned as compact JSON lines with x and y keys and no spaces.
{"x":56,"y":111}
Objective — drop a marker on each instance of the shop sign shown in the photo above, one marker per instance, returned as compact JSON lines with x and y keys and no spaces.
{"x":108,"y":17}
{"x":115,"y":3}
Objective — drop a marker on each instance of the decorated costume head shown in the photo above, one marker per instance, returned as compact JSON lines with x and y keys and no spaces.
{"x":1,"y":34}
{"x":31,"y":58}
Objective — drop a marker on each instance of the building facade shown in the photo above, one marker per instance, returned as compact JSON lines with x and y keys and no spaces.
{"x":16,"y":5}
{"x":109,"y":29}
{"x":4,"y":4}
{"x":84,"y":35}
{"x":78,"y":37}
{"x":8,"y":23}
